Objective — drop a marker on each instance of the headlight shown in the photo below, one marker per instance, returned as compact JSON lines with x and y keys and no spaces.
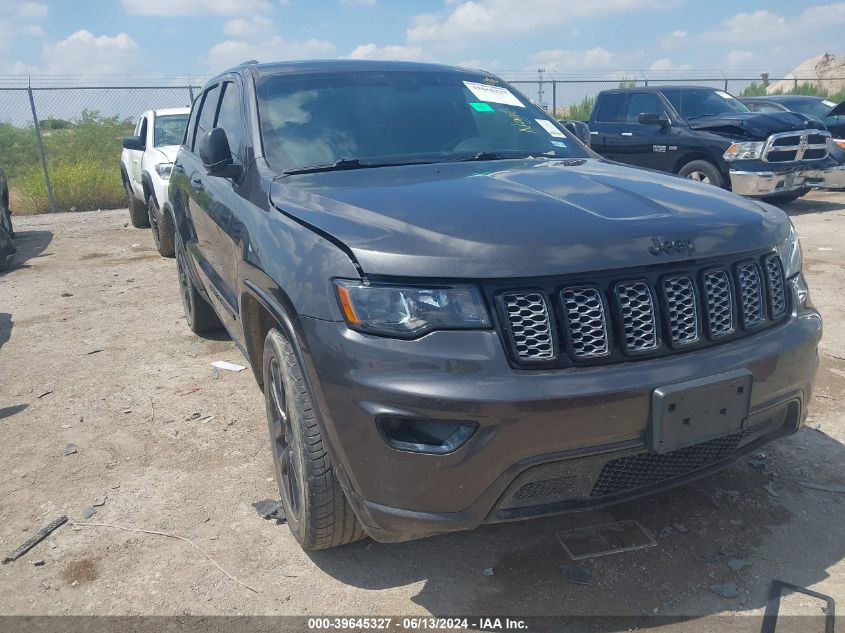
{"x":409,"y":312}
{"x":744,"y":151}
{"x":790,"y":253}
{"x":164,"y":169}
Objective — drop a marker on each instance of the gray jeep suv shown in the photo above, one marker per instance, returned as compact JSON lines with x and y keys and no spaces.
{"x":459,"y":314}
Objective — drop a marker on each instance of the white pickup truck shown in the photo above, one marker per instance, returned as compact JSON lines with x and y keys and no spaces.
{"x":145,"y":167}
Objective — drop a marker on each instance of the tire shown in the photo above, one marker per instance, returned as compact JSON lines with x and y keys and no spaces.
{"x":6,"y":220}
{"x":786,"y":198}
{"x":198,"y":312}
{"x":138,"y":216}
{"x":318,"y":513}
{"x":702,"y":171}
{"x":161,"y":227}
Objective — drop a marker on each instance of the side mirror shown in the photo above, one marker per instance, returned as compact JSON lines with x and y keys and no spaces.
{"x":216,"y":157}
{"x":580,"y":130}
{"x":134,"y":142}
{"x":653,"y":118}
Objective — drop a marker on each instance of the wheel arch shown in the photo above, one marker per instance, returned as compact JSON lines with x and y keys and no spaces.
{"x":147,"y":186}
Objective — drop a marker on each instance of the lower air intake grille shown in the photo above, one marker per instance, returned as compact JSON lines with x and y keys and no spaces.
{"x":529,"y":326}
{"x":636,"y":471}
{"x":586,"y":322}
{"x":777,"y":292}
{"x":638,"y":317}
{"x":750,"y":293}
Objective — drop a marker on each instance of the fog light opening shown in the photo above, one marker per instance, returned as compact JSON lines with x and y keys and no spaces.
{"x":421,"y":435}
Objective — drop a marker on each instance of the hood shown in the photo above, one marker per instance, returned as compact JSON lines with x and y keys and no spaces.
{"x":166,"y":153}
{"x":755,"y":125}
{"x":520,"y":218}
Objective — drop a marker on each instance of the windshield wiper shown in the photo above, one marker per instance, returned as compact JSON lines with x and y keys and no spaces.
{"x":338,"y":165}
{"x":492,"y":156}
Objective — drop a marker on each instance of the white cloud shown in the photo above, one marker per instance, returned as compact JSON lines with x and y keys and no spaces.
{"x":361,"y":3}
{"x":737,"y":58}
{"x":673,"y":39}
{"x":371,"y":51}
{"x":480,"y":64}
{"x":239,"y":27}
{"x":33,"y":11}
{"x":84,"y":52}
{"x":561,"y":60}
{"x":764,"y":26}
{"x":33,"y":30}
{"x":471,"y":19}
{"x":665,"y":64}
{"x":233,"y":52}
{"x":171,"y":8}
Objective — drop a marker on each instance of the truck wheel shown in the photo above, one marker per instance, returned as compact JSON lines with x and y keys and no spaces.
{"x":198,"y":312}
{"x":785,"y":198}
{"x":6,"y":220}
{"x":318,"y":513}
{"x":161,"y":227}
{"x":702,"y":171}
{"x":137,"y":210}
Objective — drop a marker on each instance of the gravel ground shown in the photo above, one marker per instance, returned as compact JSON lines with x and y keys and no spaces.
{"x":94,"y":352}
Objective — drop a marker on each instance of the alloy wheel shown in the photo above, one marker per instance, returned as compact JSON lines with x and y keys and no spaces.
{"x":699,"y":176}
{"x":281,"y":434}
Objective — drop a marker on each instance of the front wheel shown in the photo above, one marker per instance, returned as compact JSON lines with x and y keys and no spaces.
{"x":138,"y":216}
{"x":318,"y":513}
{"x":161,"y":227}
{"x":702,"y":171}
{"x":6,"y":221}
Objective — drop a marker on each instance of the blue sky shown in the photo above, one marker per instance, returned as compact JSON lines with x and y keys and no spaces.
{"x":596,"y":37}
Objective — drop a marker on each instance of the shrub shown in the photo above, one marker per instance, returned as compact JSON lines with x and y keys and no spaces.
{"x":82,"y":185}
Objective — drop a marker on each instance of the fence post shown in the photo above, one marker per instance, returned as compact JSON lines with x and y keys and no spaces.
{"x":50,"y":197}
{"x":554,"y":99}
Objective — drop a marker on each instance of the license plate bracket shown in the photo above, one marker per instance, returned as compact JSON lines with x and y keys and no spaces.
{"x":699,"y":410}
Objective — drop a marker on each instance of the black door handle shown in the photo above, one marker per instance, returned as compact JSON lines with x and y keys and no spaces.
{"x":196,"y":184}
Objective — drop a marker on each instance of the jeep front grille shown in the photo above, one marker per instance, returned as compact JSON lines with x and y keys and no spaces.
{"x":681,"y":309}
{"x":529,"y":326}
{"x":638,"y":318}
{"x":586,"y":321}
{"x":610,"y":320}
{"x":720,"y":305}
{"x":750,"y":293}
{"x":777,"y":291}
{"x":797,"y":145}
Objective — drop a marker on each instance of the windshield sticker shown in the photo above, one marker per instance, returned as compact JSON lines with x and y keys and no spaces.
{"x":493,"y":94}
{"x":481,"y":107}
{"x":723,"y":94}
{"x":559,"y":144}
{"x":551,"y":128}
{"x":829,"y":104}
{"x":519,"y":122}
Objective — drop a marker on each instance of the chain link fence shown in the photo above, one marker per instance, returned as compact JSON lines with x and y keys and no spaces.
{"x":60,"y":137}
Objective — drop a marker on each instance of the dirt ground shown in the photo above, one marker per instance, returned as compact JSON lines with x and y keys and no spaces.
{"x":94,"y":351}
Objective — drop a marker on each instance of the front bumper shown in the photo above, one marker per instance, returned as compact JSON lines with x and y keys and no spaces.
{"x":773,"y":182}
{"x":548,"y":432}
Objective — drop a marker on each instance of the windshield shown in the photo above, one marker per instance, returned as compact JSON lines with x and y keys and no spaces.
{"x":170,"y":129}
{"x":817,"y":108}
{"x":692,"y":104}
{"x":368,"y":118}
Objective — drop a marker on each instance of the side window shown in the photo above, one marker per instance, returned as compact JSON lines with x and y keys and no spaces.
{"x":230,"y":118}
{"x":142,"y":129}
{"x":643,"y":103}
{"x":610,"y":108}
{"x":208,"y":112}
{"x":188,"y":141}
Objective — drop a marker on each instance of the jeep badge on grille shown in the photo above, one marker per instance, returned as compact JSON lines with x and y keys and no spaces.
{"x":659,"y":247}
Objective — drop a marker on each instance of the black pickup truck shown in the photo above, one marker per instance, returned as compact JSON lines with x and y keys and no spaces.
{"x":707,"y":135}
